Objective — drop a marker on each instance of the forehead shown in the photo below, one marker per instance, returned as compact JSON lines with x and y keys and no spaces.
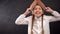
{"x":37,"y":6}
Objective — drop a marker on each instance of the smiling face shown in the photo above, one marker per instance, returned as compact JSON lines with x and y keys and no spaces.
{"x":37,"y":11}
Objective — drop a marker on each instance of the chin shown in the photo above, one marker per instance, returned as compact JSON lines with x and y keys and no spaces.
{"x":37,"y":15}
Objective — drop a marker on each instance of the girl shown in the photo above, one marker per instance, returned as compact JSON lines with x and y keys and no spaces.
{"x":38,"y":22}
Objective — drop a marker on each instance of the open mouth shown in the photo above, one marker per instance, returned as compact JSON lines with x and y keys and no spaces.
{"x":37,"y":12}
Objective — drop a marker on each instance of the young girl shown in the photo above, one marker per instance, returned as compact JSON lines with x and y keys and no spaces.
{"x":38,"y":21}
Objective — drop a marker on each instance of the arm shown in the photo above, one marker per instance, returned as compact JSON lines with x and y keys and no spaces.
{"x":21,"y":20}
{"x":56,"y":15}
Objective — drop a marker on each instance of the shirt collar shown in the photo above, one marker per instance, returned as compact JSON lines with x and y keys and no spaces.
{"x":40,"y":18}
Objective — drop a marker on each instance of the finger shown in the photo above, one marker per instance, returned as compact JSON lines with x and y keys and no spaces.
{"x":46,"y":8}
{"x":28,"y":9}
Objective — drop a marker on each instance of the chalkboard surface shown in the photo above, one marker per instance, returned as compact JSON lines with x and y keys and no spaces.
{"x":11,"y":9}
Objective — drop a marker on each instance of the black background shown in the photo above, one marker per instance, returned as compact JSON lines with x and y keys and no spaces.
{"x":11,"y":9}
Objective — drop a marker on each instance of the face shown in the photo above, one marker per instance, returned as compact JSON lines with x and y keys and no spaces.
{"x":37,"y":11}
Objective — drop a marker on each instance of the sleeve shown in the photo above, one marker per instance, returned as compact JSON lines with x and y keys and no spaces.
{"x":21,"y":20}
{"x":55,"y":17}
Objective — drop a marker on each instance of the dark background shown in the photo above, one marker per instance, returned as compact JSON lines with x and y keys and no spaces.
{"x":11,"y":9}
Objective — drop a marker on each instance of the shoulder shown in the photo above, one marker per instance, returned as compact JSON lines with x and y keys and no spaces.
{"x":28,"y":18}
{"x":47,"y":17}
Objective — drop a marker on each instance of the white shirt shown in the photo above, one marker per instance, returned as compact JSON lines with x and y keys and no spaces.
{"x":22,"y":19}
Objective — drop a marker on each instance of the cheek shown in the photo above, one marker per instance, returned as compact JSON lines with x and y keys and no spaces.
{"x":39,"y":12}
{"x":35,"y":12}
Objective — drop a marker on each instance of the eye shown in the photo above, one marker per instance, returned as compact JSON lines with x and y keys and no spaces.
{"x":39,"y":8}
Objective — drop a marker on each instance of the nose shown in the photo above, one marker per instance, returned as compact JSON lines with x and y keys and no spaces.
{"x":37,"y":9}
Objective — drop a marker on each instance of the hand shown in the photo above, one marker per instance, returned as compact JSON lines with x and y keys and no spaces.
{"x":48,"y":9}
{"x":27,"y":11}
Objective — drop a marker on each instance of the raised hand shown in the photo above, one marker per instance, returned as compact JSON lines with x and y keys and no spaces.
{"x":48,"y":9}
{"x":27,"y":11}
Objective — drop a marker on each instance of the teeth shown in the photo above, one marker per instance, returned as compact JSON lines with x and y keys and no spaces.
{"x":37,"y":12}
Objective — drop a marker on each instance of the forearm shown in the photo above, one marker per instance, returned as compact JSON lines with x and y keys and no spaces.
{"x":55,"y":13}
{"x":20,"y":19}
{"x":55,"y":17}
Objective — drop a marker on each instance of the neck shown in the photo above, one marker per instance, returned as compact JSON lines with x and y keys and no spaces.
{"x":38,"y":16}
